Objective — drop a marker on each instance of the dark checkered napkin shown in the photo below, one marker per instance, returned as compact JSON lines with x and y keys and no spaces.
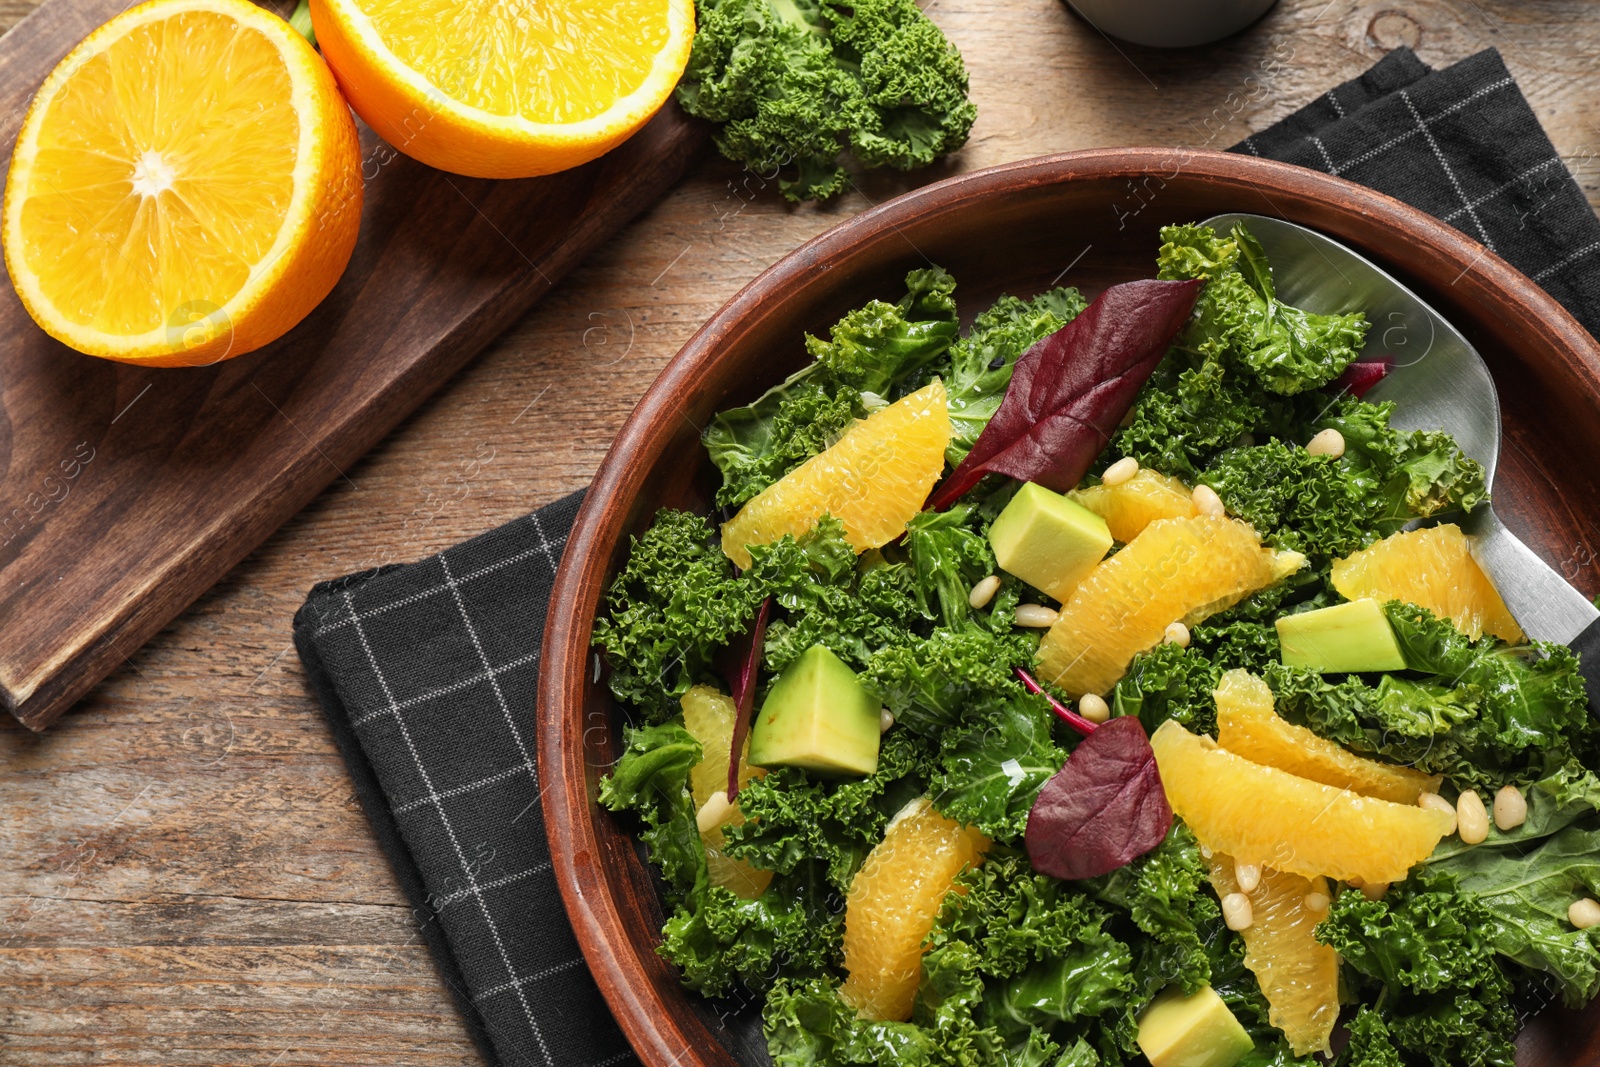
{"x":427,"y":672}
{"x":1463,"y":145}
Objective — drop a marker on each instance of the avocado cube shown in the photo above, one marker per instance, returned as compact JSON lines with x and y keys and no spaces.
{"x":1195,"y":1031}
{"x":817,"y":715}
{"x":1345,"y":638}
{"x":1048,"y":541}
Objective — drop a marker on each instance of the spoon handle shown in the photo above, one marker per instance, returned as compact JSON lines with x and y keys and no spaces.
{"x":1543,"y":603}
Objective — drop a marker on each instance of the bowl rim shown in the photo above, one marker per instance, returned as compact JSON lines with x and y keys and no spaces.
{"x":574,"y":849}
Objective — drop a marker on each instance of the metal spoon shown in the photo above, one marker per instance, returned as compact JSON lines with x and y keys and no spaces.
{"x":1437,"y":382}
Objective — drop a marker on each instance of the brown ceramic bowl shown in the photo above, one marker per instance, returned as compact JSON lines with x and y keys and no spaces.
{"x":1088,"y":219}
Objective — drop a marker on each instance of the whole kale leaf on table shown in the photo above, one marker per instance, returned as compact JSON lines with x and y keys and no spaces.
{"x":797,"y":83}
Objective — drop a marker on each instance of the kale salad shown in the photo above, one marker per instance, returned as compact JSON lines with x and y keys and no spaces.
{"x":1103,"y":683}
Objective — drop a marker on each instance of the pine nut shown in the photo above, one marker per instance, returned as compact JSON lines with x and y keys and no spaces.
{"x":1317,"y":902}
{"x":1374,"y":890}
{"x":1205,"y":852}
{"x":1036,"y":616}
{"x":1510,"y":808}
{"x":1246,"y":439}
{"x":1177,"y":634}
{"x":1236,"y":911}
{"x":717,"y":810}
{"x":885,"y":720}
{"x":1093,"y":708}
{"x":1329,"y":442}
{"x":1207,"y":501}
{"x":1120,"y":471}
{"x":1354,"y":883}
{"x":1435,"y":802}
{"x":1472,"y":819}
{"x":1248,"y":875}
{"x":984,"y":591}
{"x":1584,"y":913}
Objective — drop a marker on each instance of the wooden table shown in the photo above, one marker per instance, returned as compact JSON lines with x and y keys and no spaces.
{"x":185,"y":875}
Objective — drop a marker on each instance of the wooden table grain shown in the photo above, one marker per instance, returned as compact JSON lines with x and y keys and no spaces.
{"x":185,"y":875}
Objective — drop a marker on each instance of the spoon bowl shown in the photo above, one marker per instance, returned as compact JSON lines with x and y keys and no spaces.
{"x":1436,"y":381}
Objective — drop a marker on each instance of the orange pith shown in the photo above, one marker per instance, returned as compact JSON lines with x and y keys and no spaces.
{"x":708,"y":715}
{"x":874,"y":480}
{"x":893,"y":901}
{"x":185,"y":188}
{"x":1247,"y":726}
{"x":1263,"y":815}
{"x":1175,"y":569}
{"x":1147,"y":497}
{"x":1298,"y":974}
{"x":1434,"y":569}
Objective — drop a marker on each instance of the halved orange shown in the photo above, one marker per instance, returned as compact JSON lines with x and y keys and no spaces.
{"x":185,"y":188}
{"x":874,"y":480}
{"x":505,"y":90}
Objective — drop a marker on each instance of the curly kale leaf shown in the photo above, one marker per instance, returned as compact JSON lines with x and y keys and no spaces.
{"x":1533,"y":697}
{"x":1240,"y":318}
{"x":981,"y":363}
{"x":1484,"y":714}
{"x":714,"y":936}
{"x":1169,"y":682}
{"x":1164,"y":893}
{"x":874,"y":351}
{"x":993,"y":763}
{"x":793,"y":818}
{"x":1421,"y":937}
{"x":1370,"y":1043}
{"x":1427,"y":943}
{"x":796,"y":83}
{"x":1040,"y":947}
{"x":1525,"y":893}
{"x":1188,"y":412}
{"x":676,"y":602}
{"x":929,"y":684}
{"x":1419,"y":473}
{"x":828,"y":601}
{"x":651,"y":779}
{"x":949,"y":555}
{"x":1328,"y":507}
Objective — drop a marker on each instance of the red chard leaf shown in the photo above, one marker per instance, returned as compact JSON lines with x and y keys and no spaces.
{"x":1360,"y":376}
{"x":1104,"y":808}
{"x":1071,"y":389}
{"x":740,"y":664}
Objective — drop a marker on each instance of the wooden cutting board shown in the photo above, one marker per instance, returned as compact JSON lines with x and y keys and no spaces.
{"x":129,"y":491}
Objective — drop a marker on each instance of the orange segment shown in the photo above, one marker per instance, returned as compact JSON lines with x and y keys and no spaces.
{"x":505,"y":90}
{"x":1434,"y":569}
{"x":1175,"y":569}
{"x":873,"y":480}
{"x":185,"y":188}
{"x":708,"y":716}
{"x":1271,"y":817}
{"x":893,"y":901}
{"x":1147,"y":497}
{"x":1298,"y":974}
{"x":1247,"y":726}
